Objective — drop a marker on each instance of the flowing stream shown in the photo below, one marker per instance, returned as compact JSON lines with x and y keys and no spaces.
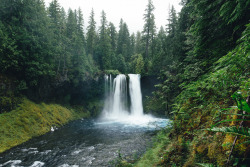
{"x":121,"y":131}
{"x":83,"y":143}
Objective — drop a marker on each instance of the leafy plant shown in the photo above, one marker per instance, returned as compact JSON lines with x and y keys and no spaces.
{"x":205,"y":165}
{"x":243,"y":107}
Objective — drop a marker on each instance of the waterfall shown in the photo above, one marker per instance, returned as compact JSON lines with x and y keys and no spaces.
{"x":108,"y":94}
{"x":116,"y":104}
{"x":116,"y":98}
{"x":120,"y":96}
{"x":135,"y":94}
{"x":123,"y":101}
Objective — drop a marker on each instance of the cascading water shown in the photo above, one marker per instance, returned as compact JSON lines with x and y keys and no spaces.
{"x":116,"y":98}
{"x":108,"y":94}
{"x":116,"y":101}
{"x":135,"y":94}
{"x":120,"y":96}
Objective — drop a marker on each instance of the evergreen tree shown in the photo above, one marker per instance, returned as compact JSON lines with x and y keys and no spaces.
{"x":104,"y":44}
{"x":113,"y":36}
{"x":57,"y":27}
{"x":120,"y":38}
{"x":138,"y":43}
{"x":123,"y":41}
{"x":149,"y":28}
{"x":91,"y":35}
{"x":172,"y":22}
{"x":80,"y":24}
{"x":126,"y":42}
{"x":159,"y":56}
{"x":132,"y":44}
{"x":27,"y":29}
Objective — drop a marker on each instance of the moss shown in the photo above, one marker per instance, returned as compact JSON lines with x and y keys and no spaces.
{"x":30,"y":119}
{"x":201,"y":148}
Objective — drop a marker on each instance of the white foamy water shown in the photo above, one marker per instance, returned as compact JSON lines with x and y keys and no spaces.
{"x":67,"y":165}
{"x":135,"y":95}
{"x":146,"y":121}
{"x":123,"y":105}
{"x":37,"y":164}
{"x":12,"y":163}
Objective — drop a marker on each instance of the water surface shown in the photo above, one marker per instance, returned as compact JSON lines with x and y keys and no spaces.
{"x":84,"y":143}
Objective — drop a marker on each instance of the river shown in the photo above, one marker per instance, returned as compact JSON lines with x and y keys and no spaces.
{"x":84,"y":143}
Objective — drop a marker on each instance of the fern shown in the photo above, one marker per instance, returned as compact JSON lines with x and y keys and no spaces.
{"x":245,"y":132}
{"x":205,"y":165}
{"x":241,"y":103}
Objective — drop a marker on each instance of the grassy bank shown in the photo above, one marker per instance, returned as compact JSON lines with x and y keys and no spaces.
{"x":30,"y":120}
{"x":152,"y":156}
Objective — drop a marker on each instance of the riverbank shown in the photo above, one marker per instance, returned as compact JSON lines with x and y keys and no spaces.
{"x":210,"y":118}
{"x":29,"y":120}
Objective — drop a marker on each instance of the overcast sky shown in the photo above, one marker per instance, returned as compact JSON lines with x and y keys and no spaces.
{"x":131,"y":11}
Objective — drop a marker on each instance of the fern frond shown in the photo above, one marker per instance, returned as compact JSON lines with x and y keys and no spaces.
{"x":205,"y":165}
{"x":242,"y":131}
{"x":229,"y":120}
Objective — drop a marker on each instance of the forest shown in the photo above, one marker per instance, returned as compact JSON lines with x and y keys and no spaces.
{"x":200,"y":59}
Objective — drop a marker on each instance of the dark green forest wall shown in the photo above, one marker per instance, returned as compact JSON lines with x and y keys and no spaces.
{"x":48,"y":55}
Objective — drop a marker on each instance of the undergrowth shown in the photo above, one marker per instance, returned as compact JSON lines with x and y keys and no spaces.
{"x":200,"y":106}
{"x":154,"y":155}
{"x":30,"y":120}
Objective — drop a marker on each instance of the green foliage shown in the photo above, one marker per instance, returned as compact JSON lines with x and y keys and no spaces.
{"x":112,"y":72}
{"x":149,"y":29}
{"x":120,"y":64}
{"x":241,"y":103}
{"x":235,"y":11}
{"x":123,"y":41}
{"x":205,"y":165}
{"x":245,"y":132}
{"x":137,"y":64}
{"x":30,"y":120}
{"x":8,"y":103}
{"x":29,"y":38}
{"x":197,"y":101}
{"x":227,"y":74}
{"x":91,"y":35}
{"x":153,"y":156}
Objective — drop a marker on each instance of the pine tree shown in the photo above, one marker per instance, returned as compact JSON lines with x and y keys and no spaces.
{"x":120,"y":38}
{"x":149,"y":28}
{"x":27,"y":28}
{"x":160,"y":52}
{"x":91,"y":34}
{"x":138,"y":43}
{"x":56,"y":27}
{"x":80,"y":24}
{"x":104,"y":53}
{"x":126,"y":42}
{"x":123,"y":41}
{"x":113,"y":36}
{"x":132,"y":44}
